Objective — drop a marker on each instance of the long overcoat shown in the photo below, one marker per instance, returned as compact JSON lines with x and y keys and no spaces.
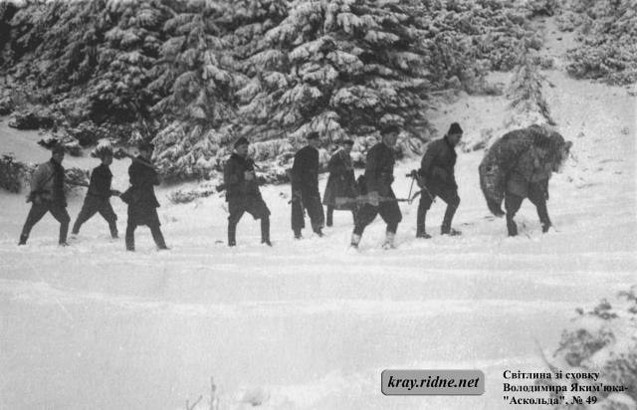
{"x":143,"y":204}
{"x":341,"y":182}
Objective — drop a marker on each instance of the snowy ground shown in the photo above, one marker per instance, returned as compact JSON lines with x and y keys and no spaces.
{"x":306,"y":324}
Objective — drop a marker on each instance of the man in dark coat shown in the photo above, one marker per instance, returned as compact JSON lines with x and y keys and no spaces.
{"x":305,"y":193}
{"x":47,"y":195}
{"x":437,"y":179}
{"x":379,"y":175}
{"x":99,"y":194}
{"x":142,"y":203}
{"x":242,"y":193}
{"x":341,"y":182}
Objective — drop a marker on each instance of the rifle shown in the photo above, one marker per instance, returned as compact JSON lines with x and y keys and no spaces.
{"x":136,"y":159}
{"x":425,"y":190}
{"x":114,"y":192}
{"x":415,"y":176}
{"x":365,"y":199}
{"x":75,"y":183}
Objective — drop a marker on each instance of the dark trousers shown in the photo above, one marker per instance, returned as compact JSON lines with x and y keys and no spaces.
{"x":158,"y":237}
{"x":389,"y":211}
{"x":256,"y":207}
{"x":330,"y":215}
{"x":310,"y":201}
{"x":451,"y":198}
{"x":93,"y":205}
{"x":38,"y":211}
{"x":513,"y":202}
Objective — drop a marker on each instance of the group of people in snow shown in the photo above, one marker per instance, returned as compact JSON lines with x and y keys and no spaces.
{"x":372,"y":195}
{"x":517,"y":166}
{"x":47,"y":195}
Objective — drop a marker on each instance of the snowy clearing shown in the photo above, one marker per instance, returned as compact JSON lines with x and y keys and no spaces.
{"x":308,"y":324}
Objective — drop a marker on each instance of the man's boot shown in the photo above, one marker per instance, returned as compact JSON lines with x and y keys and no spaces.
{"x":265,"y":231}
{"x":330,"y":216}
{"x":389,"y":240}
{"x":446,"y":229}
{"x":64,"y":230}
{"x":356,"y":239}
{"x":113,"y":229}
{"x":232,"y":234}
{"x":23,"y":239}
{"x":130,"y":239}
{"x":420,"y":224}
{"x":159,"y":238}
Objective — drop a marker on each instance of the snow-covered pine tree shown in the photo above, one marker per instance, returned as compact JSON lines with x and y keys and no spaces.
{"x":64,"y":37}
{"x":247,"y":25}
{"x":197,"y":76}
{"x":7,"y":11}
{"x":130,"y":50}
{"x":607,"y":48}
{"x":525,"y":92}
{"x":342,"y":68}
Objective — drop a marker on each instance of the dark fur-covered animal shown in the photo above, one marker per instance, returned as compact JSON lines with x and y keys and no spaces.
{"x":519,"y":165}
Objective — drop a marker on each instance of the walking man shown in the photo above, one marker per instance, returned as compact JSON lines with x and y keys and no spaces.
{"x":341,"y":182}
{"x":437,"y":179}
{"x":379,"y":175}
{"x":141,"y":199}
{"x":99,"y":194}
{"x":242,"y":193}
{"x":305,"y":193}
{"x":47,"y":195}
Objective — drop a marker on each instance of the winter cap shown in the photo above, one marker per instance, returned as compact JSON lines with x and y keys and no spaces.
{"x":312,"y":135}
{"x":102,"y":152}
{"x":348,"y":142}
{"x":146,"y":146}
{"x":390,"y":129}
{"x":454,"y":129}
{"x":241,"y":141}
{"x":57,"y":149}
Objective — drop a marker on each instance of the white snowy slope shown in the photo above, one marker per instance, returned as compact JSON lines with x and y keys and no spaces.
{"x":307,"y":324}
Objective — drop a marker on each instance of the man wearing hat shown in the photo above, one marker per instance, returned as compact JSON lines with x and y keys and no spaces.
{"x":305,"y":193}
{"x":379,"y":175}
{"x":99,"y":193}
{"x":242,"y":193}
{"x":47,"y":195}
{"x":341,"y":182}
{"x":141,"y":199}
{"x":437,"y":179}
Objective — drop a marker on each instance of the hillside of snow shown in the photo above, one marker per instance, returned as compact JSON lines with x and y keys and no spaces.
{"x":308,"y":324}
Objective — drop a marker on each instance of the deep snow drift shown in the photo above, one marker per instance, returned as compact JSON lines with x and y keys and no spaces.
{"x":307,"y":324}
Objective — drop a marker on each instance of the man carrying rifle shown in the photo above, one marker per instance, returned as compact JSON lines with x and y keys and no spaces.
{"x":436,"y":178}
{"x":141,"y":200}
{"x":379,"y":175}
{"x":47,"y":195}
{"x":99,"y":194}
{"x":242,"y":193}
{"x":305,"y":193}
